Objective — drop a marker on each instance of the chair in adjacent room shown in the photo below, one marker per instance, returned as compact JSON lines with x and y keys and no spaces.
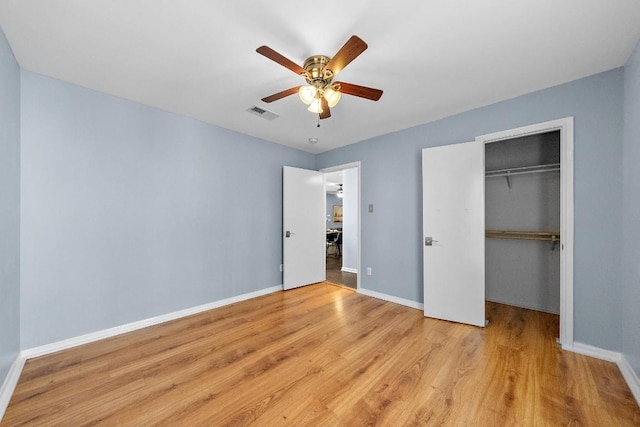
{"x":335,"y":240}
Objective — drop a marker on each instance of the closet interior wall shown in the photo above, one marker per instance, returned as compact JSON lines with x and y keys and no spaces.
{"x":523,"y":272}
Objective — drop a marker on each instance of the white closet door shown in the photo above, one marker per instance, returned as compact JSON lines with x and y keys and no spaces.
{"x":453,"y":227}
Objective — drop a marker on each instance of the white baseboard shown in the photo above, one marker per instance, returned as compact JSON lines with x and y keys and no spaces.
{"x":10,"y":382}
{"x":592,"y":351}
{"x":107,"y":333}
{"x":349,"y":270}
{"x":391,"y":298}
{"x":630,"y":377}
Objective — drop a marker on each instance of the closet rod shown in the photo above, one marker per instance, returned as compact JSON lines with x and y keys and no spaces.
{"x":524,"y":170}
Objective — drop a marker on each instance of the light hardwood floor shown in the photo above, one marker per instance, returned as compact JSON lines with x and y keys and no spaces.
{"x":324,"y":355}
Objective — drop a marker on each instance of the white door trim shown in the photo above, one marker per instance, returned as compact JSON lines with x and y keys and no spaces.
{"x":352,"y":165}
{"x":565,"y":126}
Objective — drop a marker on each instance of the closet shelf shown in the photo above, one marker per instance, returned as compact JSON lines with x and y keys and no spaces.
{"x":545,"y":236}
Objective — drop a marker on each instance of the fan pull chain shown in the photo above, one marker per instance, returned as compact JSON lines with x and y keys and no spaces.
{"x":318,"y":125}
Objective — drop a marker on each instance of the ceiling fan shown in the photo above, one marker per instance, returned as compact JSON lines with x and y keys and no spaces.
{"x":320,"y":92}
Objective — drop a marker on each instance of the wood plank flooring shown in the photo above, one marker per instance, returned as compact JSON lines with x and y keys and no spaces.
{"x":324,"y":355}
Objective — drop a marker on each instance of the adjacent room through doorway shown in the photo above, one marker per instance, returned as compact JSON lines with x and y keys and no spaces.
{"x":341,"y":188}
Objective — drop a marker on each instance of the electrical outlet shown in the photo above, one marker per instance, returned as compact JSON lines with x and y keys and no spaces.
{"x":281,"y":268}
{"x":369,"y":271}
{"x":370,"y":207}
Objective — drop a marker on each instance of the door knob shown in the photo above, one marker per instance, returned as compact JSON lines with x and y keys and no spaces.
{"x":428,"y":241}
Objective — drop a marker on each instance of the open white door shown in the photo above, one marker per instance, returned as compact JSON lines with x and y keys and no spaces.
{"x":304,"y":237}
{"x":453,"y":227}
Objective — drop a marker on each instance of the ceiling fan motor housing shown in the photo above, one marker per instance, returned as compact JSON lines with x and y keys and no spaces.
{"x":314,"y":74}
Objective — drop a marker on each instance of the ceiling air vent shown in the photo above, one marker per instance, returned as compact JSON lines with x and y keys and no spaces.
{"x":261,"y":112}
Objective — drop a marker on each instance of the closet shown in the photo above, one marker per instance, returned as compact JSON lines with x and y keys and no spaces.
{"x":522,"y":221}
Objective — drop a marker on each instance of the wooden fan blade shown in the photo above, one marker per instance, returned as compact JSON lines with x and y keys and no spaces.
{"x":276,"y":57}
{"x":357,"y":90}
{"x":347,"y":53}
{"x":281,"y":95}
{"x":326,"y":111}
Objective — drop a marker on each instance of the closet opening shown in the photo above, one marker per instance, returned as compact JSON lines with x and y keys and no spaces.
{"x":523,"y":221}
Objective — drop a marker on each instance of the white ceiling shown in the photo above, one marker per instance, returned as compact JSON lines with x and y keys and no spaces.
{"x":432,"y":58}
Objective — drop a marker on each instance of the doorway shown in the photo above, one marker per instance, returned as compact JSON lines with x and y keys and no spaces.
{"x":522,"y":222}
{"x":342,"y":187}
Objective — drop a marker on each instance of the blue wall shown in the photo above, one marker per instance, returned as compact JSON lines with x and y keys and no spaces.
{"x":392,"y":234}
{"x":9,"y":208}
{"x":631,"y":218}
{"x":129,"y":212}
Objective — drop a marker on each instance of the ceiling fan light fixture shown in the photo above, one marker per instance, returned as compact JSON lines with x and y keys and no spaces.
{"x":321,"y":93}
{"x":315,"y":106}
{"x":307,"y":94}
{"x":332,"y":97}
